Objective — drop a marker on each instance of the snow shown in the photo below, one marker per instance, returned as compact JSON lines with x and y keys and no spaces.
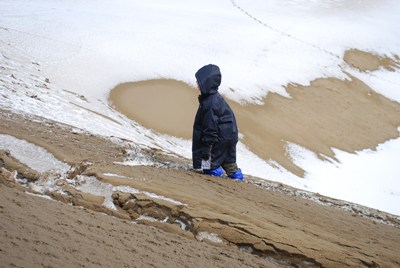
{"x":59,"y":60}
{"x":170,"y":200}
{"x":31,"y":155}
{"x":39,"y":195}
{"x":384,"y":82}
{"x":369,"y":177}
{"x":94,"y":186}
{"x":208,"y":236}
{"x":114,"y":175}
{"x":41,"y":160}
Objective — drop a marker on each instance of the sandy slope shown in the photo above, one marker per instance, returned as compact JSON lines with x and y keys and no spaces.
{"x":40,"y":233}
{"x":275,"y":226}
{"x":329,"y":113}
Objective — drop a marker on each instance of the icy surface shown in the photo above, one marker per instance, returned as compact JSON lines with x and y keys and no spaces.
{"x":31,"y":155}
{"x":208,"y":236}
{"x":40,"y":195}
{"x":147,"y":218}
{"x":114,"y":175}
{"x":155,"y":196}
{"x":94,"y":186}
{"x":59,"y":60}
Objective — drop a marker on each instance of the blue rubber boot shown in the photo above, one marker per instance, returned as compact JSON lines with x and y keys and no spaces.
{"x":218,"y":172}
{"x":238,"y":175}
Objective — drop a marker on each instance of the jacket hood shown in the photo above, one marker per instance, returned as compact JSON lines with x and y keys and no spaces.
{"x":209,"y":78}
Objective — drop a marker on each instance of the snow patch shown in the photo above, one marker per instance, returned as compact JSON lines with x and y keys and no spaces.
{"x":115,"y":175}
{"x":368,"y":177}
{"x":35,"y":157}
{"x":39,"y":195}
{"x":160,"y":197}
{"x":93,"y":186}
{"x":201,"y":236}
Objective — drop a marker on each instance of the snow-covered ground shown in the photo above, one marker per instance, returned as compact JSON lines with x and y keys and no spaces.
{"x":85,"y":48}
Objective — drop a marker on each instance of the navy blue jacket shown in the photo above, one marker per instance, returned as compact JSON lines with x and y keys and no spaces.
{"x":215,"y":123}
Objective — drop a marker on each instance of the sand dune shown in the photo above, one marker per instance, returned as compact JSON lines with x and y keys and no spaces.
{"x":344,"y":114}
{"x":221,"y":222}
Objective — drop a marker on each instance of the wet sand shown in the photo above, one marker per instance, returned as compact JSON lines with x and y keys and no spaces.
{"x":347,"y":115}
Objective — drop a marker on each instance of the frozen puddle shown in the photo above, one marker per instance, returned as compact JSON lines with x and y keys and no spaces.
{"x":35,"y":157}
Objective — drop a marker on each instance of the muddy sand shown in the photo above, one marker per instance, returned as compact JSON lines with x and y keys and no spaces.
{"x":217,"y":222}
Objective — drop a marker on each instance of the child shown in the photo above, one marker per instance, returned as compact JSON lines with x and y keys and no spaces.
{"x":215,"y":132}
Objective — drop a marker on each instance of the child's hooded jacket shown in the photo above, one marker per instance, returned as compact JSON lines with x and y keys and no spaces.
{"x":215,"y":124}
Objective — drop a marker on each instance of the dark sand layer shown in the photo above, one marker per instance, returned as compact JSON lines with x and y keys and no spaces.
{"x":347,"y":115}
{"x":281,"y":229}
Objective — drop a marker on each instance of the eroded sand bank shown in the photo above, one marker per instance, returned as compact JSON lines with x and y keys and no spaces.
{"x":344,"y":114}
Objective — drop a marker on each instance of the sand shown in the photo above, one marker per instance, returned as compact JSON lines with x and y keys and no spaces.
{"x":329,"y":113}
{"x":257,"y":224}
{"x":36,"y":232}
{"x":365,"y":61}
{"x":167,"y":106}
